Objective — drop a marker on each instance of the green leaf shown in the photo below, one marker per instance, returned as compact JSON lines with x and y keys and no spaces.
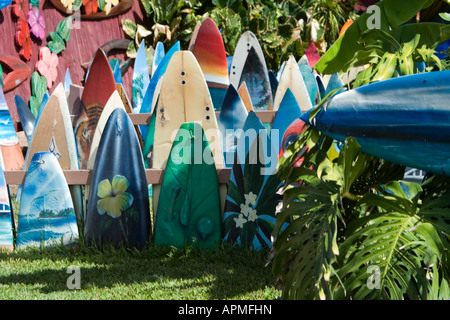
{"x":64,"y":27}
{"x":129,"y":27}
{"x":56,"y":45}
{"x":101,"y":5}
{"x":38,"y":86}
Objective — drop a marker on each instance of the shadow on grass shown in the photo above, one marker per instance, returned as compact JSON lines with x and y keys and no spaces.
{"x":190,"y":273}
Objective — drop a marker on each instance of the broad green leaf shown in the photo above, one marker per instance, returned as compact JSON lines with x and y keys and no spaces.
{"x":56,"y":45}
{"x":386,"y":67}
{"x":38,"y":86}
{"x":64,"y":27}
{"x":1,"y":76}
{"x":129,"y":27}
{"x":101,"y":5}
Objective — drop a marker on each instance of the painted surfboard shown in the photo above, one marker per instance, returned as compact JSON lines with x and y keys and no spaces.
{"x":19,"y":71}
{"x":9,"y":142}
{"x":53,"y":132}
{"x":147,"y":151}
{"x":334,"y":83}
{"x":256,"y":77}
{"x":118,"y":207}
{"x":158,"y":56}
{"x":141,"y":78}
{"x":250,"y":208}
{"x":288,"y":111}
{"x":246,"y":41}
{"x":6,"y":215}
{"x":153,"y":88}
{"x":311,"y":84}
{"x":46,"y":212}
{"x":273,"y":82}
{"x":231,"y":121}
{"x":27,"y":119}
{"x":189,"y":209}
{"x":74,"y":99}
{"x":321,"y":86}
{"x":113,"y":103}
{"x":209,"y":50}
{"x":291,"y":78}
{"x":99,"y":86}
{"x":245,"y":96}
{"x":402,"y":120}
{"x":312,"y":54}
{"x":184,"y":97}
{"x":290,"y":135}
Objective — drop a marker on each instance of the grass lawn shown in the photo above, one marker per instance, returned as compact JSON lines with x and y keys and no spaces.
{"x":153,"y":273}
{"x":158,"y":273}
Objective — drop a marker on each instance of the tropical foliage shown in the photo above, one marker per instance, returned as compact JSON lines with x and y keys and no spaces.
{"x":283,"y":28}
{"x":357,"y":230}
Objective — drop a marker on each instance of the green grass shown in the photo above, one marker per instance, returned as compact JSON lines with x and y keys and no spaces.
{"x":157,"y":273}
{"x":152,"y":273}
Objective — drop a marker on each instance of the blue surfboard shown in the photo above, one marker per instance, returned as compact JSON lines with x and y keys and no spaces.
{"x":405,"y":120}
{"x":46,"y":213}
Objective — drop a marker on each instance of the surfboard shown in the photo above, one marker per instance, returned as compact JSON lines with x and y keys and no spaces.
{"x":312,"y":54}
{"x":288,"y":111}
{"x":250,"y":208}
{"x":6,"y":215}
{"x":147,"y":151}
{"x":403,"y":120}
{"x":53,"y":132}
{"x":118,"y":207}
{"x":9,"y":142}
{"x":27,"y":119}
{"x":334,"y":83}
{"x":152,"y":92}
{"x":245,"y":96}
{"x":311,"y":84}
{"x":158,"y":56}
{"x":189,"y":209}
{"x":290,"y":135}
{"x":141,"y":77}
{"x":74,"y":99}
{"x":184,"y":97}
{"x":273,"y":82}
{"x":231,"y":121}
{"x":246,"y":41}
{"x":46,"y":212}
{"x":291,"y":78}
{"x":209,"y":50}
{"x":99,"y":86}
{"x":256,"y":77}
{"x":113,"y":103}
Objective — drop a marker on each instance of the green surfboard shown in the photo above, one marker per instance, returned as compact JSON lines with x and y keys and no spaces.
{"x":189,"y":203}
